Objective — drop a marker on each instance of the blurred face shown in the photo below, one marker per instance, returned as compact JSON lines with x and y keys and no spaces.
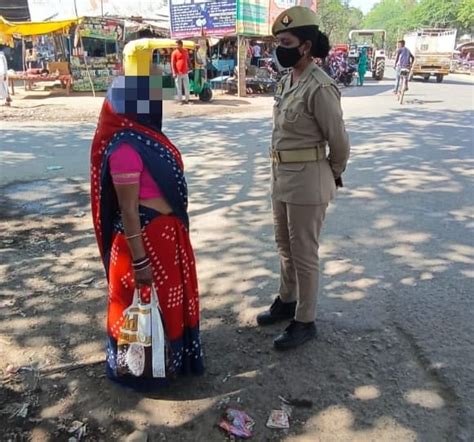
{"x":180,"y":45}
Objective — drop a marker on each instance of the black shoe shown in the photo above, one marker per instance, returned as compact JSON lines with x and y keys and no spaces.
{"x":279,"y":311}
{"x":296,"y":334}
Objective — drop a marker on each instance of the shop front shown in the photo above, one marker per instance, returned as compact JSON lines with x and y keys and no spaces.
{"x":243,"y":30}
{"x":97,"y":54}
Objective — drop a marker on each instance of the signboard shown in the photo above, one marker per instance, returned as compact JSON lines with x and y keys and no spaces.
{"x":103,"y":29}
{"x":252,"y":17}
{"x":194,"y":18}
{"x":102,"y":70}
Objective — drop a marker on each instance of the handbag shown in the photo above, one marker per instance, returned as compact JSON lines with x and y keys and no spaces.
{"x":141,"y":343}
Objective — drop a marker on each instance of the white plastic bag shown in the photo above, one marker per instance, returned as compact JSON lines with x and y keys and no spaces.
{"x":141,"y":344}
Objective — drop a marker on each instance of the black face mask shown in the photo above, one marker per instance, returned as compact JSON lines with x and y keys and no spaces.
{"x":288,"y":57}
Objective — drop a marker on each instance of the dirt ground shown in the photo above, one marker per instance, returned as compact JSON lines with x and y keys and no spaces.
{"x":364,"y":379}
{"x":53,"y":386}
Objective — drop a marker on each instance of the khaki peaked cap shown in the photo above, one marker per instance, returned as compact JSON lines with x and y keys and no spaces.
{"x":294,"y":17}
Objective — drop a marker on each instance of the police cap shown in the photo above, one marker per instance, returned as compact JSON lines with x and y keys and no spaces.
{"x":294,"y":17}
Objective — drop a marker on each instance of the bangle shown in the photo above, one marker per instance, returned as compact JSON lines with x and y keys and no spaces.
{"x":141,"y":269}
{"x":134,"y":236}
{"x":140,"y":261}
{"x":141,"y":266}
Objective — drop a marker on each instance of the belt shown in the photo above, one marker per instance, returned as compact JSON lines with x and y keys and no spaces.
{"x":299,"y":155}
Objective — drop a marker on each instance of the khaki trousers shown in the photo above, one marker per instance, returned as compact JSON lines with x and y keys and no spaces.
{"x":297,"y":230}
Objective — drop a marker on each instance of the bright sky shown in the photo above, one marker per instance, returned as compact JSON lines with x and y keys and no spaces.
{"x":365,"y":5}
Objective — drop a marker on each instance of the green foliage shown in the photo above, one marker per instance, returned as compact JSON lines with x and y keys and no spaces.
{"x":395,"y":16}
{"x":399,"y":16}
{"x":337,"y":18}
{"x":436,"y":13}
{"x":465,"y":14}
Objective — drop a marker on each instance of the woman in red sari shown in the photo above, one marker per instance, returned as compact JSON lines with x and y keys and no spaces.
{"x":139,"y":206}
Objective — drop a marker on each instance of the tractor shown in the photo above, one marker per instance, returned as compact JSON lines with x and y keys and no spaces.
{"x":374,"y":41}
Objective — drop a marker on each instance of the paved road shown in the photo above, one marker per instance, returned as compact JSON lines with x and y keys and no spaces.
{"x":398,"y":248}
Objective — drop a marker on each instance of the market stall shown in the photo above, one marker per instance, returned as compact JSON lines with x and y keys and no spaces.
{"x":97,"y":54}
{"x":244,"y":28}
{"x":32,"y":79}
{"x":46,"y":33}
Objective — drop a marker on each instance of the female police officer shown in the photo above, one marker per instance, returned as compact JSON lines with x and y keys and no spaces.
{"x":307,"y":119}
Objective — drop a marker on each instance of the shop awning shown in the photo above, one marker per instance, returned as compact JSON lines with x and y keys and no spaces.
{"x":159,"y":26}
{"x":27,"y":29}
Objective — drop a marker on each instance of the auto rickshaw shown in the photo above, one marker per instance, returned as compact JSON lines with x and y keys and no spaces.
{"x":156,"y":52}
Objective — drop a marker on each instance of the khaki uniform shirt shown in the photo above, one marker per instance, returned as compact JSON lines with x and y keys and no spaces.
{"x":307,"y":114}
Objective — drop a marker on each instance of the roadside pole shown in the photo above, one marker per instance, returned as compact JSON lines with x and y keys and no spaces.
{"x":241,"y":59}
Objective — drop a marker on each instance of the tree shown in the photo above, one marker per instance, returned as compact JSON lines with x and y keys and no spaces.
{"x":465,"y":14}
{"x":395,"y":16}
{"x":337,"y":18}
{"x":437,"y":13}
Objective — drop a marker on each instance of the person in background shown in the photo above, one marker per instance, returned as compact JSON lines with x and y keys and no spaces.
{"x":233,"y":53}
{"x":256,"y":54}
{"x":362,"y":66}
{"x":403,"y":60}
{"x":4,"y":91}
{"x":225,"y":49}
{"x":180,"y":68}
{"x":249,"y":53}
{"x":31,"y":59}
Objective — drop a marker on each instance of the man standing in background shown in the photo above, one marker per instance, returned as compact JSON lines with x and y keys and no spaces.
{"x":180,"y":69}
{"x":256,"y":54}
{"x":4,"y":92}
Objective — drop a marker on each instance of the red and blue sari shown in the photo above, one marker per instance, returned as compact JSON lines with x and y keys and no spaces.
{"x":166,"y":240}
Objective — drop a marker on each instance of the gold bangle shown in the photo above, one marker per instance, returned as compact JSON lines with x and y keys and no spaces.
{"x":133,"y":236}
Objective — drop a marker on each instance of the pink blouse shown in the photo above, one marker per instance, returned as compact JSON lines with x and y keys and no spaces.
{"x":126,"y":167}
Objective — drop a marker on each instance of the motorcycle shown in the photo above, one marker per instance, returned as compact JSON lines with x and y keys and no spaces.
{"x":340,"y":70}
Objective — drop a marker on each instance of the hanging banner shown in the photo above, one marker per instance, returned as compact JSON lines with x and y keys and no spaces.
{"x":103,"y":29}
{"x":252,"y":17}
{"x":194,"y":18}
{"x":278,"y":6}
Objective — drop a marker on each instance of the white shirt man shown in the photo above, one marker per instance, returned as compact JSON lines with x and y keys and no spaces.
{"x":257,"y":51}
{"x":4,"y":92}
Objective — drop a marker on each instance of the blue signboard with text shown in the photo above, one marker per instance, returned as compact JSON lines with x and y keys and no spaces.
{"x":193,"y":18}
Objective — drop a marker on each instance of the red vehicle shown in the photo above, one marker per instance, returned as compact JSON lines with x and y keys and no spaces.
{"x":341,"y":48}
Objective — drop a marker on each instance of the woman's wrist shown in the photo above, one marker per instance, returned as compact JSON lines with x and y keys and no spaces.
{"x":141,"y":263}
